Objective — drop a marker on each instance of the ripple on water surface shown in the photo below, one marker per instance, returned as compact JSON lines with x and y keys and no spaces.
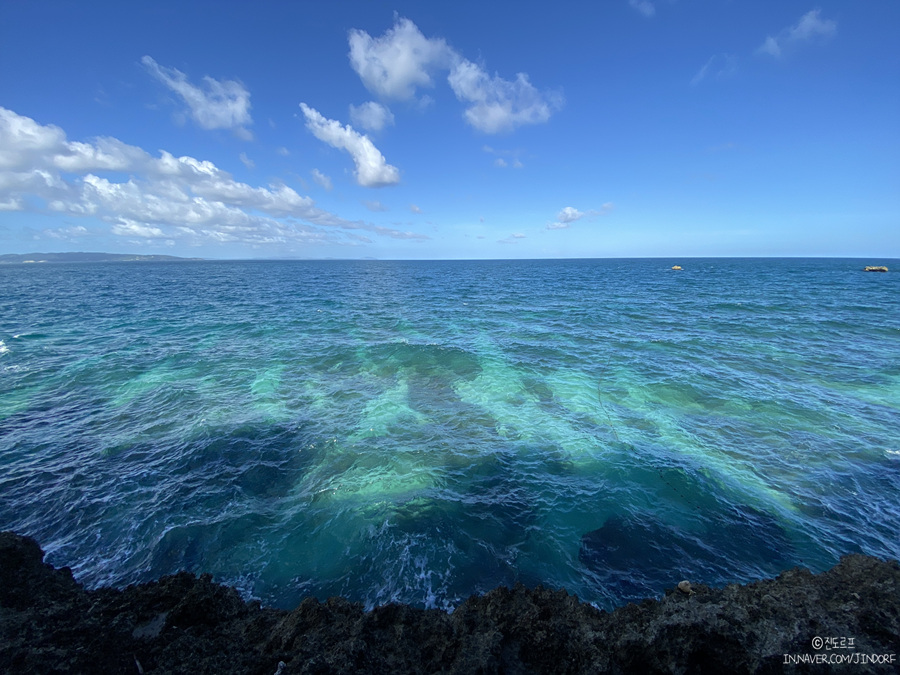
{"x":418,"y":432}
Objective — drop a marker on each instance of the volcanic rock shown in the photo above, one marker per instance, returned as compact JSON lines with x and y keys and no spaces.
{"x":182,"y":623}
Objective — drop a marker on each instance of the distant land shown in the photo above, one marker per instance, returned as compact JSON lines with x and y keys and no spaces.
{"x":20,"y":258}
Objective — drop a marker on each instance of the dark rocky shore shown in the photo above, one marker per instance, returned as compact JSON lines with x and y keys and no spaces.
{"x":186,"y":624}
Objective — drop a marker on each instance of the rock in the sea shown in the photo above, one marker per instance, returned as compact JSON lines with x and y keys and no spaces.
{"x":676,"y":267}
{"x":184,"y":624}
{"x":876,"y":268}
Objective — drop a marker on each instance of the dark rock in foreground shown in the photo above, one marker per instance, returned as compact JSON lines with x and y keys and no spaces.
{"x":185,"y":624}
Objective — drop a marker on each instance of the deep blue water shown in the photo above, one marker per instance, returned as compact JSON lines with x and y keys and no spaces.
{"x":421,"y":431}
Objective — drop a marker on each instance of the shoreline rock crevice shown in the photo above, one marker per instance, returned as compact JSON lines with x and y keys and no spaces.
{"x":182,"y":623}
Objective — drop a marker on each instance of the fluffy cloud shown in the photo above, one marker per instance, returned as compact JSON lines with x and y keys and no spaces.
{"x":28,"y":145}
{"x":569,"y":215}
{"x":395,"y":64}
{"x":246,"y":161}
{"x":403,"y":59}
{"x":414,"y":209}
{"x":166,"y":196}
{"x":645,"y":7}
{"x":372,"y":170}
{"x":218,"y":104}
{"x":321,"y":179}
{"x":371,"y":116}
{"x":496,"y":104}
{"x":809,"y":28}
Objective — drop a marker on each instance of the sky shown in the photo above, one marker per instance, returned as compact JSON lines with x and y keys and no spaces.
{"x":411,"y":130}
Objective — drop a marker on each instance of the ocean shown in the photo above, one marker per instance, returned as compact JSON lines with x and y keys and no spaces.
{"x":422,"y":431}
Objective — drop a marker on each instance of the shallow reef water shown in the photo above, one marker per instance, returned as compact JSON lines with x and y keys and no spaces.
{"x":422,"y":431}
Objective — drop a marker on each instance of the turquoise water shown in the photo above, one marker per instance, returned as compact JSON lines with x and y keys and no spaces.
{"x":421,"y":431}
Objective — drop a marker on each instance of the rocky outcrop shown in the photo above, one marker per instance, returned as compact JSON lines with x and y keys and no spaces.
{"x":876,"y":268}
{"x":186,"y":624}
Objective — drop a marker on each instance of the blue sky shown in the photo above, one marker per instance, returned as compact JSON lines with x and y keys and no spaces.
{"x":620,"y":128}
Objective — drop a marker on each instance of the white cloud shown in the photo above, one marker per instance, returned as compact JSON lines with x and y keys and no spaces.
{"x":375,"y":205}
{"x":645,"y":7}
{"x":73,"y":233}
{"x":321,"y":179}
{"x":371,"y":116}
{"x":770,"y":47}
{"x":179,"y":198}
{"x":32,"y":146}
{"x":284,"y":152}
{"x":569,"y":215}
{"x":511,"y":239}
{"x":129,"y":228}
{"x":717,"y":67}
{"x":219,"y":104}
{"x":402,"y":60}
{"x":25,"y":140}
{"x":395,"y":64}
{"x":414,"y":208}
{"x":513,"y":160}
{"x":372,"y":170}
{"x":246,"y":161}
{"x":500,"y":105}
{"x":809,"y":28}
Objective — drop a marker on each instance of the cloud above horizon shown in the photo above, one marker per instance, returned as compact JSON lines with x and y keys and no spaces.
{"x":398,"y":62}
{"x":810,"y":28}
{"x":219,"y":104}
{"x":371,"y":116}
{"x":570,"y":214}
{"x":177,"y":198}
{"x":497,"y":105}
{"x":402,"y":60}
{"x":372,"y":170}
